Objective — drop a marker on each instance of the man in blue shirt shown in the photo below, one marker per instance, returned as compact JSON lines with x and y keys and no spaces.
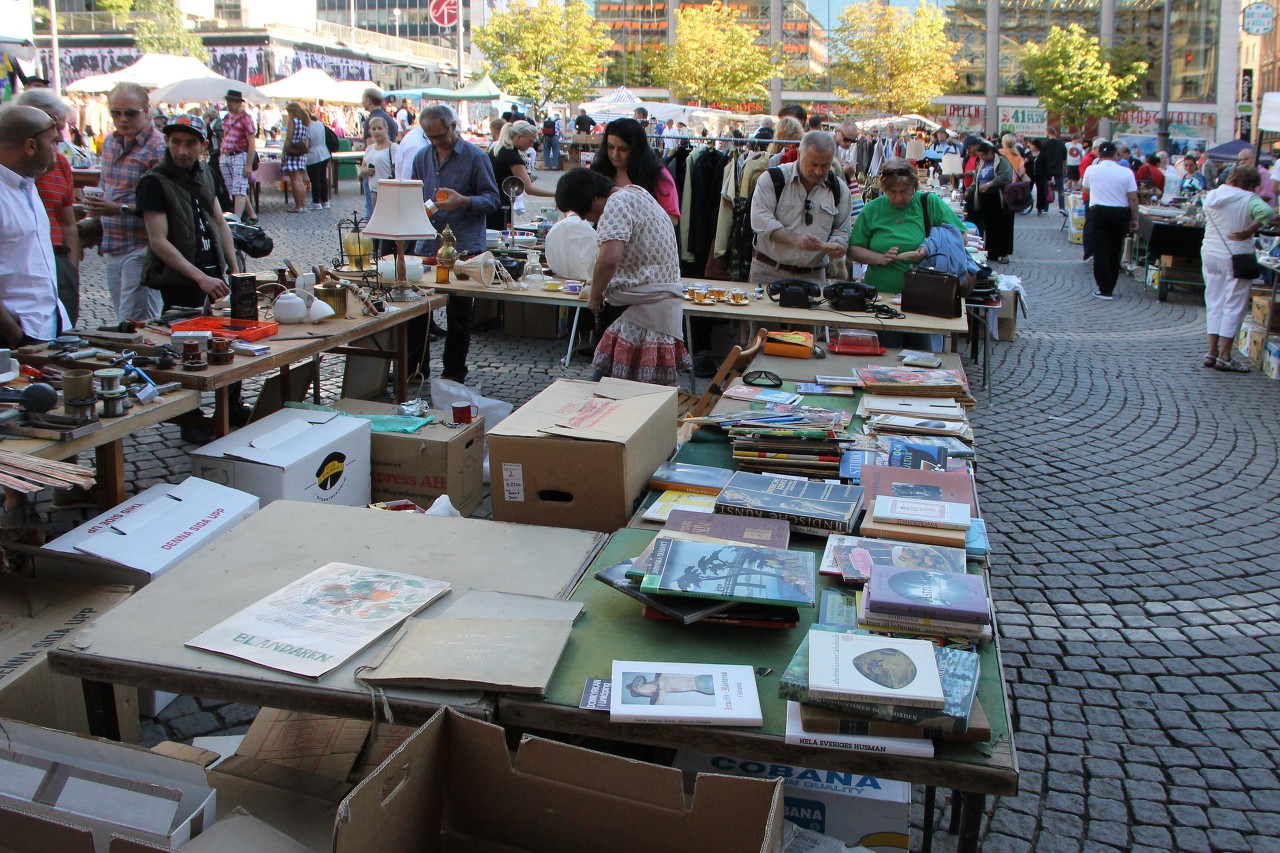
{"x":459,"y":177}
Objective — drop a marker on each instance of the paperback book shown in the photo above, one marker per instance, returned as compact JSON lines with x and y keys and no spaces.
{"x":741,"y":616}
{"x":956,"y":449}
{"x":927,"y":426}
{"x":852,"y":463}
{"x":949,"y":596}
{"x":683,"y":610}
{"x":942,"y":408}
{"x":687,"y":477}
{"x":809,"y":507}
{"x":699,"y":693}
{"x":908,"y":454}
{"x":911,"y":532}
{"x":920,"y":626}
{"x":670,"y":500}
{"x":950,"y":486}
{"x":873,"y":668}
{"x":853,"y":557}
{"x":948,"y":515}
{"x":958,"y":671}
{"x":795,"y":734}
{"x":819,"y":720}
{"x":773,"y":532}
{"x":755,"y":394}
{"x":731,"y":572}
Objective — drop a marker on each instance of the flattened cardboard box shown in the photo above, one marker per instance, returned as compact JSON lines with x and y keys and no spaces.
{"x":35,"y":616}
{"x":296,"y":454}
{"x":579,"y":454}
{"x":152,"y":531}
{"x":453,"y":786}
{"x":433,"y":461}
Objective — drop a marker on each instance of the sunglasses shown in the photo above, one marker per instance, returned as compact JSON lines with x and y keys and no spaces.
{"x":902,"y":171}
{"x":762,"y":379}
{"x":125,"y":113}
{"x":808,"y":212}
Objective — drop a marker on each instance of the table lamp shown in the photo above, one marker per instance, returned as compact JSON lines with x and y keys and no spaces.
{"x":398,"y":216}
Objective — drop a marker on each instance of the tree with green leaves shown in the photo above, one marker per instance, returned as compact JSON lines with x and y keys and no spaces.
{"x":545,"y":52}
{"x":162,"y":29}
{"x":715,"y":58}
{"x":1075,"y":77}
{"x":115,"y":7}
{"x":889,"y":60}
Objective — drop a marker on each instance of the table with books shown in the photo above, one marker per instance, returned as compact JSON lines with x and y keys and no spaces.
{"x":954,"y":733}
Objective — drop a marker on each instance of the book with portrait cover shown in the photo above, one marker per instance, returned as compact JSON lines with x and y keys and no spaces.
{"x":728,"y":571}
{"x":951,"y":596}
{"x":699,"y":693}
{"x":810,"y":507}
{"x":874,"y":668}
{"x":687,"y":477}
{"x":853,"y":557}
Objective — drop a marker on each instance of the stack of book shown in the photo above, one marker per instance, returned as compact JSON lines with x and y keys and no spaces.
{"x":686,"y":487}
{"x":804,"y":451}
{"x":926,"y":601}
{"x":820,"y":508}
{"x":914,"y":382}
{"x":719,"y":570}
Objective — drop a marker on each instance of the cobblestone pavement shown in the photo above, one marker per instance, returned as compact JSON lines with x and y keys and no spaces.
{"x":1132,"y":499}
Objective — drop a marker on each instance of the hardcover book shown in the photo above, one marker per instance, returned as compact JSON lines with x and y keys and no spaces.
{"x":741,"y":616}
{"x":773,"y":532}
{"x":729,"y":571}
{"x":958,"y":670}
{"x":951,"y":486}
{"x":852,"y":557}
{"x":921,"y":626}
{"x":953,"y":596}
{"x":819,"y":720}
{"x":670,"y":500}
{"x":701,"y":693}
{"x":873,"y":668}
{"x":683,"y":610}
{"x":686,"y":477}
{"x":912,"y":532}
{"x":906,"y":454}
{"x":795,"y":734}
{"x":810,"y":507}
{"x":948,"y":515}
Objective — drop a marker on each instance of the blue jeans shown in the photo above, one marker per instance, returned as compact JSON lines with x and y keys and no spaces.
{"x":551,"y":152}
{"x":369,"y":193}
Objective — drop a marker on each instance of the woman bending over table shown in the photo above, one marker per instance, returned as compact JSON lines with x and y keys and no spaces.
{"x":628,"y":160}
{"x":635,"y":286}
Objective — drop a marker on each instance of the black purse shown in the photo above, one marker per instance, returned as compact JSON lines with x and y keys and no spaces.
{"x":1244,"y":265}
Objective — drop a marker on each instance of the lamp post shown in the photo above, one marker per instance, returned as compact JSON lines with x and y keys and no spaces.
{"x":396,"y":13}
{"x":1162,"y":133}
{"x":55,"y":75}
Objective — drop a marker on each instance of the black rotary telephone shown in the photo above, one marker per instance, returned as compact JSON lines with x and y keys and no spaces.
{"x":849,"y":295}
{"x":795,"y":292}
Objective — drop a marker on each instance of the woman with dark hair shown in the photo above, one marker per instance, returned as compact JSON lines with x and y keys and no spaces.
{"x":628,"y":160}
{"x":995,"y":223}
{"x":635,"y":286}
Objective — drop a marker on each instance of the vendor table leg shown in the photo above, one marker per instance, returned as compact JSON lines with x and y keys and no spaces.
{"x":100,"y":708}
{"x":573,"y":336}
{"x":222,"y":410}
{"x":402,"y":362}
{"x":110,"y":473}
{"x":315,"y":386}
{"x":930,"y":798}
{"x":970,"y":821}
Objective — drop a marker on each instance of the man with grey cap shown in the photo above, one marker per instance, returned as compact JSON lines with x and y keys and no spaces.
{"x":800,"y":215}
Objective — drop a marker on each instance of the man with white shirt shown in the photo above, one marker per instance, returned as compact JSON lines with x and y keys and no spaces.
{"x":1112,"y":192}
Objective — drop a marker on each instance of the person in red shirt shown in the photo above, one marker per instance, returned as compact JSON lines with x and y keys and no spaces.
{"x":1151,"y":173}
{"x":57,"y":190}
{"x":1090,"y":156}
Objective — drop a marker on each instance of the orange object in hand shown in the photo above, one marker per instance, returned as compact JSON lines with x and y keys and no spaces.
{"x":442,"y":195}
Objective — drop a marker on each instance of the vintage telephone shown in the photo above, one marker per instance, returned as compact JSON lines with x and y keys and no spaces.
{"x":849,"y":295}
{"x":795,"y":292}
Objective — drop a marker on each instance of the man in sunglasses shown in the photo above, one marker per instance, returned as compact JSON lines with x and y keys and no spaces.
{"x":134,"y":149}
{"x":800,"y":215}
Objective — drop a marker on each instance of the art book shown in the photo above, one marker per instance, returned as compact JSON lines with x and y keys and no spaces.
{"x":948,"y":515}
{"x":927,"y":426}
{"x":956,"y":449}
{"x":820,"y":508}
{"x":670,"y":500}
{"x":951,"y":486}
{"x":911,"y":532}
{"x":852,"y":462}
{"x":852,"y":557}
{"x":873,"y":668}
{"x":918,"y":626}
{"x":318,"y":622}
{"x":912,"y":381}
{"x":958,"y":671}
{"x":740,"y":616}
{"x":755,"y":394}
{"x":687,"y":477}
{"x":700,"y":693}
{"x":917,"y":407}
{"x":795,"y":734}
{"x":818,"y":720}
{"x":773,"y":532}
{"x":952,"y":596}
{"x":683,"y":610}
{"x":729,"y":571}
{"x":904,"y":453}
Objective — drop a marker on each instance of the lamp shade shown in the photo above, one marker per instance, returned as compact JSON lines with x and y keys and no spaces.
{"x":399,"y":213}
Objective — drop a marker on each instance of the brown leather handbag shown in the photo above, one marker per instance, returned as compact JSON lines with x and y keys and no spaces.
{"x":932,"y":293}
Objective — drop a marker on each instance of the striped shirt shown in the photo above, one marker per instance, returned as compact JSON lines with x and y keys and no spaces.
{"x":123,"y":164}
{"x":57,"y":191}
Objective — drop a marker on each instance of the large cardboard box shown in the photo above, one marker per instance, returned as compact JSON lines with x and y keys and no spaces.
{"x":579,"y":454}
{"x":152,"y":531}
{"x":859,"y":810}
{"x":297,"y":454}
{"x":433,"y":461}
{"x":35,"y":616}
{"x":104,"y":787}
{"x":1271,"y":359}
{"x":453,"y":786}
{"x":527,"y":320}
{"x":1007,"y":315}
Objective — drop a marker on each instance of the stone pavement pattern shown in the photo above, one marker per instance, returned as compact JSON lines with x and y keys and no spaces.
{"x":1132,"y":498}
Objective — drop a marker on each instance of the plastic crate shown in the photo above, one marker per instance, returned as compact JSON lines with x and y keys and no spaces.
{"x":223,"y":327}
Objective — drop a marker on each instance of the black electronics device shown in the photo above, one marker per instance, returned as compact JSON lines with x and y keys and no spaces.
{"x":849,"y":295}
{"x":795,"y":292}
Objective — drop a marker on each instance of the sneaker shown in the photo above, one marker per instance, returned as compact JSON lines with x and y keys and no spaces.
{"x":315,"y":205}
{"x":325,"y":206}
{"x":75,"y":497}
{"x":1098,"y":294}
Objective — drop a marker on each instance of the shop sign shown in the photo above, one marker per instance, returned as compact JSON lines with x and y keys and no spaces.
{"x":1029,"y":121}
{"x":965,"y":118}
{"x":444,"y":13}
{"x":1246,"y":84}
{"x":1259,"y":19}
{"x":1185,"y":123}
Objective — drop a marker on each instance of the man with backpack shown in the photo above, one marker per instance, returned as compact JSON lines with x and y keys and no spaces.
{"x":800,"y":215}
{"x":551,"y":129}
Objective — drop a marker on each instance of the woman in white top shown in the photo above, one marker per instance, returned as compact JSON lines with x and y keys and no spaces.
{"x":318,"y":165}
{"x":1171,"y":178}
{"x":379,"y":157}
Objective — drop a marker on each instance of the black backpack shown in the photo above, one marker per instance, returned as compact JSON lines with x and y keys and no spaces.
{"x":549,"y":127}
{"x":330,"y":139}
{"x":833,"y":184}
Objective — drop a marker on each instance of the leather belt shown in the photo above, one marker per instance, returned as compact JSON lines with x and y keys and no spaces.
{"x":765,"y":259}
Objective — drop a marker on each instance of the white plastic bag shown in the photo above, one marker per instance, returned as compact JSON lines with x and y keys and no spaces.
{"x":442,"y":507}
{"x":446,"y":392}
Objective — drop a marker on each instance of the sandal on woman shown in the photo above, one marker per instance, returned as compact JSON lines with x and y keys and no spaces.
{"x":1232,"y":366}
{"x":1210,"y":360}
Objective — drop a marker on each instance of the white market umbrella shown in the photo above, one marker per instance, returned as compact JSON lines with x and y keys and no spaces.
{"x":199,"y":89}
{"x":350,"y":91}
{"x":151,"y":71}
{"x":619,"y":96}
{"x":307,"y":84}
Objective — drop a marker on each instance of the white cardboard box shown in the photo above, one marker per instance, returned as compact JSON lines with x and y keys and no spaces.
{"x":857,"y":809}
{"x":320,"y":457}
{"x":150,"y":532}
{"x":107,"y":788}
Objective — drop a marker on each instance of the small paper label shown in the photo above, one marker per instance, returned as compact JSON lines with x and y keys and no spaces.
{"x":595,"y":695}
{"x":513,"y":482}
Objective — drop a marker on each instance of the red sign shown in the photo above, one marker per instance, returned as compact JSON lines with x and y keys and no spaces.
{"x":444,"y":13}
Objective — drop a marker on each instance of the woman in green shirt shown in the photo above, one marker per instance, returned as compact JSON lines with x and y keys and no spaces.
{"x":890,"y":229}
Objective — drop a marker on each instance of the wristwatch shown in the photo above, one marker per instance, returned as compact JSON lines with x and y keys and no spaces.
{"x":124,"y":210}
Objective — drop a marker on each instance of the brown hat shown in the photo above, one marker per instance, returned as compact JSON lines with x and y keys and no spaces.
{"x":234,"y":95}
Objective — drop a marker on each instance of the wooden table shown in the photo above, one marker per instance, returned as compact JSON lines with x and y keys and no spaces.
{"x":336,"y":159}
{"x":292,"y":343}
{"x":142,"y":643}
{"x":108,"y":442}
{"x":85,"y":177}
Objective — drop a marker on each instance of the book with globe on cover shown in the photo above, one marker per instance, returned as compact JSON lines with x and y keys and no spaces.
{"x":874,"y":668}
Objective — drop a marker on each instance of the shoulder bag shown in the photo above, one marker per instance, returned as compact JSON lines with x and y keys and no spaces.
{"x":1244,"y":265}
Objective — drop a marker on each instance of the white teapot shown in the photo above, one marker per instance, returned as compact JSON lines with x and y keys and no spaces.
{"x":293,"y":307}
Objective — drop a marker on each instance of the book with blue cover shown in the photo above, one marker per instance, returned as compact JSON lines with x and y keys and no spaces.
{"x":950,"y":596}
{"x":810,"y":507}
{"x":728,"y":571}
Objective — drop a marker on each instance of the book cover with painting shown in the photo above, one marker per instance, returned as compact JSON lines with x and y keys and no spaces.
{"x":666,"y":692}
{"x":852,"y":557}
{"x":728,"y":571}
{"x":874,"y":668}
{"x":952,"y":596}
{"x":810,"y":507}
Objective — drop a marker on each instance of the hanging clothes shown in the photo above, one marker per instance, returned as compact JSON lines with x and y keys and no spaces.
{"x":707,"y":177}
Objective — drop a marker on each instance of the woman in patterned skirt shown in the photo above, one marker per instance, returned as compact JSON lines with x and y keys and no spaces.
{"x":636,"y":281}
{"x":297,"y":143}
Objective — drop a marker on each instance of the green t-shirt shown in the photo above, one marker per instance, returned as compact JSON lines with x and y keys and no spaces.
{"x":881,"y":226}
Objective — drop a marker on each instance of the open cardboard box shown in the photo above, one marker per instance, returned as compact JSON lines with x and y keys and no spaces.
{"x":579,"y":454}
{"x":453,"y":786}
